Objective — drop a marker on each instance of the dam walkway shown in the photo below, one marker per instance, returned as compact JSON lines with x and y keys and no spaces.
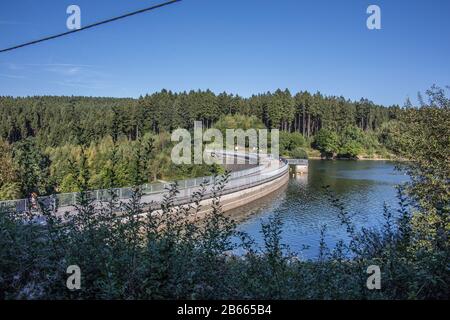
{"x":264,"y":170}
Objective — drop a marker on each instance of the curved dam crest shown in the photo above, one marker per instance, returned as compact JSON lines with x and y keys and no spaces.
{"x":248,"y":182}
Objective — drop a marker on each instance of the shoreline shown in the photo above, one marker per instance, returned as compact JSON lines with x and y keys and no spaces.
{"x":356,"y":159}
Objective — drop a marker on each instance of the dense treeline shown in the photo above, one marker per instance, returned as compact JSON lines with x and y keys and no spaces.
{"x":102,"y":164}
{"x":59,"y":120}
{"x":50,"y":143}
{"x":79,"y":120}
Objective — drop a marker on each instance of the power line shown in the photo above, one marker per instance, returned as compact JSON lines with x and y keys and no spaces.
{"x":90,"y":26}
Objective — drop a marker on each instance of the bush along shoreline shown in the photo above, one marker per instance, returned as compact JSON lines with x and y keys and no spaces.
{"x":124,"y":252}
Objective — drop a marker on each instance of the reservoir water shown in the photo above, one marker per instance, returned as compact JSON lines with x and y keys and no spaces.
{"x":363,"y":187}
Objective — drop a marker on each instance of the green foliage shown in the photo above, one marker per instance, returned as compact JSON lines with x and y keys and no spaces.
{"x":423,"y":138}
{"x":350,"y":149}
{"x":387,"y":133}
{"x":126,"y":252}
{"x":56,"y":121}
{"x":297,"y":140}
{"x":291,"y":141}
{"x":9,"y":185}
{"x":327,"y":142}
{"x":238,"y":121}
{"x":10,"y":190}
{"x":100,"y":165}
{"x":52,"y":131}
{"x":280,"y":109}
{"x":349,"y":143}
{"x":33,"y":168}
{"x":298,"y":153}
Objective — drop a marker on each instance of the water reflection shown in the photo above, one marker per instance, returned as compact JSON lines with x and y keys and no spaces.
{"x":362,"y":185}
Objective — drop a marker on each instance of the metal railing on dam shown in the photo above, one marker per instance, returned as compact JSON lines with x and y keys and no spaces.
{"x":238,"y":184}
{"x":238,"y":180}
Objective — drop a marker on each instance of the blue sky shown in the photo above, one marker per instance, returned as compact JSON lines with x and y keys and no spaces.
{"x":238,"y":46}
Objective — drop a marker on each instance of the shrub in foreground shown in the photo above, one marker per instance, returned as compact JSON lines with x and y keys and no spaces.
{"x":171,"y":254}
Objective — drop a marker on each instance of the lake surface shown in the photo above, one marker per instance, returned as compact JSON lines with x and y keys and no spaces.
{"x":363,"y":186}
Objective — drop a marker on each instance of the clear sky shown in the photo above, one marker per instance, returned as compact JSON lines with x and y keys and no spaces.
{"x":238,"y":46}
